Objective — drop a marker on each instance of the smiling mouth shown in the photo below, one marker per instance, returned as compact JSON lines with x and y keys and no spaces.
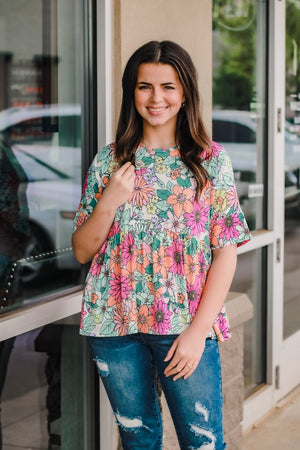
{"x":156,"y":110}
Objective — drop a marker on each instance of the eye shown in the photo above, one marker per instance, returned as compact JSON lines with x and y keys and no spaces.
{"x":169,"y":88}
{"x":143,"y":87}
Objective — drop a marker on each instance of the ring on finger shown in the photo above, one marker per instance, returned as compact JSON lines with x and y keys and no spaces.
{"x":189,"y":364}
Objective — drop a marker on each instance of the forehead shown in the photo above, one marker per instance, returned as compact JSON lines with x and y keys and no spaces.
{"x":157,"y":72}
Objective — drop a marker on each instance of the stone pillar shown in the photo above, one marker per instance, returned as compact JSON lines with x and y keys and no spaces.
{"x":239,"y":309}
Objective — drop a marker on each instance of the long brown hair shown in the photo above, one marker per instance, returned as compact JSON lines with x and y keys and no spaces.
{"x":190,"y":134}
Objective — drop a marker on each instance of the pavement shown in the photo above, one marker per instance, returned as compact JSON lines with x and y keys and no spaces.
{"x":279,"y":430}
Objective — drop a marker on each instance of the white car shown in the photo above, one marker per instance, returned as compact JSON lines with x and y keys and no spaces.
{"x":52,"y":181}
{"x":237,"y":132}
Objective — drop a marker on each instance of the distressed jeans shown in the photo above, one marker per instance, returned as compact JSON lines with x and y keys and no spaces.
{"x":128,"y":365}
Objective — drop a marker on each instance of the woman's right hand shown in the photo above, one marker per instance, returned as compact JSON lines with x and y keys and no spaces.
{"x":90,"y":236}
{"x":120,"y":186}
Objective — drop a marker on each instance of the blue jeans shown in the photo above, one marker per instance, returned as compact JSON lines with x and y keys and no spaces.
{"x":128,"y":366}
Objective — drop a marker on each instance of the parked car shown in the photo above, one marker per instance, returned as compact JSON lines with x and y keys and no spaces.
{"x":237,"y":132}
{"x":51,"y":162}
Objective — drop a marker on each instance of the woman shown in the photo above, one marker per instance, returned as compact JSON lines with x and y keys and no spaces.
{"x":160,"y":219}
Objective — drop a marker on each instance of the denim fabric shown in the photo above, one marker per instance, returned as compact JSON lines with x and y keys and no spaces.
{"x":128,"y":366}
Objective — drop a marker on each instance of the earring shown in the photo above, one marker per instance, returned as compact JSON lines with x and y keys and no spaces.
{"x":182,"y":104}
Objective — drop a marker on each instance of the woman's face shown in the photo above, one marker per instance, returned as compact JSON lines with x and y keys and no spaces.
{"x":158,"y":95}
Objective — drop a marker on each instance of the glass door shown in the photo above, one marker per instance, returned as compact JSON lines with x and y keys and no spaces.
{"x":291,"y":291}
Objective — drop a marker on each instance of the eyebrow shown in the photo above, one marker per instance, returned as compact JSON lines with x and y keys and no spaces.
{"x":150,"y":84}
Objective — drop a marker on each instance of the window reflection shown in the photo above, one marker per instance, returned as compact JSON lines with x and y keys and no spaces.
{"x":40,"y":146}
{"x":239,"y":98}
{"x":291,"y":322}
{"x":53,"y":399}
{"x":250,"y":273}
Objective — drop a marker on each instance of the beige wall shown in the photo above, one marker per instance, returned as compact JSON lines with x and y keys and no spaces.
{"x":187,"y":22}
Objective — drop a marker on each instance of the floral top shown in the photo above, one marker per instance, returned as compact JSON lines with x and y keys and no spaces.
{"x":150,"y":272}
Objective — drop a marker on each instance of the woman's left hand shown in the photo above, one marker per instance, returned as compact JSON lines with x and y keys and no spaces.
{"x":185,"y":354}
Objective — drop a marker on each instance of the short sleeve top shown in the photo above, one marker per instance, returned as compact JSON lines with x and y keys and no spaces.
{"x":149,"y":274}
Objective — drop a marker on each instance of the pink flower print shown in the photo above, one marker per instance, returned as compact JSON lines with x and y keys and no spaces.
{"x":121,"y":323}
{"x":221,"y":327}
{"x":115,"y":229}
{"x":202,"y":268}
{"x":181,"y":200}
{"x":120,"y":288}
{"x":97,"y":264}
{"x":128,"y":248}
{"x":197,"y":219}
{"x":232,"y":198}
{"x":228,"y":225}
{"x":193,"y":294}
{"x":82,"y":315}
{"x":211,"y":151}
{"x":174,"y":259}
{"x":161,"y":316}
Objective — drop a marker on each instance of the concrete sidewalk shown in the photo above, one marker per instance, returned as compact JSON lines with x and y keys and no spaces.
{"x":280,"y":429}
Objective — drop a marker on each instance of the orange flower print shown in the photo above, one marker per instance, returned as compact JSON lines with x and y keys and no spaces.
{"x":115,"y":261}
{"x":191,"y":266}
{"x":144,"y":320}
{"x":105,"y":180}
{"x":142,"y":192}
{"x":215,"y":233}
{"x":181,"y":200}
{"x":121,"y":323}
{"x":99,"y":193}
{"x":94,"y":298}
{"x":180,"y":298}
{"x":158,"y":262}
{"x":142,"y":260}
{"x":174,"y":152}
{"x":175,"y":173}
{"x":208,"y":195}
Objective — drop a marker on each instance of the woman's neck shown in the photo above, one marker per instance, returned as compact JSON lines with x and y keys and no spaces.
{"x":154,"y":138}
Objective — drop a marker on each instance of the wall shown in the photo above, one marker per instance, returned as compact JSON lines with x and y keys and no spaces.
{"x":189,"y":23}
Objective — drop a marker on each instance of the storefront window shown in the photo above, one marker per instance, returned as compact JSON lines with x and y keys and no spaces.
{"x":239,"y":97}
{"x":41,"y":77}
{"x":249,"y":278}
{"x":239,"y":124}
{"x":48,"y":394}
{"x":292,"y":166}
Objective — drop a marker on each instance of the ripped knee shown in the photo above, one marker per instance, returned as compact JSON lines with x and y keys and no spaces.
{"x":102,"y":367}
{"x":130,"y":424}
{"x":200,"y":431}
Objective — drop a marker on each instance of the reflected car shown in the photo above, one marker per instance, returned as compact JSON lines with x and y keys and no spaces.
{"x":51,"y":162}
{"x":237,"y":132}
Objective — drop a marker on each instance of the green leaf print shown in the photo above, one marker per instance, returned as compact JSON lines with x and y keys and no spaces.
{"x":139,"y":287}
{"x":107,"y":328}
{"x":163,"y":194}
{"x":181,"y":182}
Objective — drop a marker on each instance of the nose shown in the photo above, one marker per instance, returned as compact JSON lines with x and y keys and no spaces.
{"x":156,"y":95}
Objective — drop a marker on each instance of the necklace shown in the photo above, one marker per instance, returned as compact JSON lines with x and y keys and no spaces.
{"x":150,"y":146}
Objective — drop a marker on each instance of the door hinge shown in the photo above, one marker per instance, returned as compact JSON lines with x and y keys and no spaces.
{"x":278,"y":250}
{"x":277,"y":377}
{"x":279,"y":120}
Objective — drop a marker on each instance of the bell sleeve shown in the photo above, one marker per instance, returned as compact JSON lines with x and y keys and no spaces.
{"x":228,"y":223}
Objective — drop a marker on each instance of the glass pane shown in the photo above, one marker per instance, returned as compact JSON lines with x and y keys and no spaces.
{"x":47,"y":390}
{"x":239,"y":97}
{"x":251,"y":270}
{"x":40,"y":146}
{"x":292,"y":172}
